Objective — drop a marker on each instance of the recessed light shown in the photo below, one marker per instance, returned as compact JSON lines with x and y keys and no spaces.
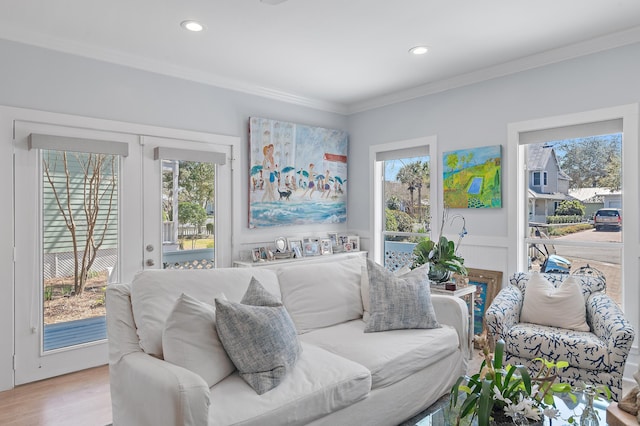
{"x":192,"y":26}
{"x":419,"y":50}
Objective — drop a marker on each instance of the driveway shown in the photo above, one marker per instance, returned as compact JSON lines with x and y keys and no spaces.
{"x":605,"y":259}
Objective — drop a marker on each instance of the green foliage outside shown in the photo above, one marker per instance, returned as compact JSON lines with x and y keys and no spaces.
{"x":570,"y":208}
{"x":191,"y":213}
{"x":558,"y":231}
{"x":553,"y":220}
{"x":593,"y":162}
{"x":399,"y":221}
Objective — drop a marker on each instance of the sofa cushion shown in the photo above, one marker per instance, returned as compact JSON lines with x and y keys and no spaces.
{"x":154,"y":294}
{"x":259,"y":337}
{"x":319,"y":384}
{"x":580,"y":349}
{"x":391,"y":355}
{"x":322,"y":294}
{"x":190,"y":340}
{"x":561,"y":306}
{"x":399,"y":302}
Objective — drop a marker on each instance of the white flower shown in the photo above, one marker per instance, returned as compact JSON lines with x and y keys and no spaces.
{"x":551,"y":412}
{"x":525,"y":406}
{"x":498,"y":396}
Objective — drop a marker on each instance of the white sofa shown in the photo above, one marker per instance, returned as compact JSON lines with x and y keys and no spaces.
{"x":343,"y":376}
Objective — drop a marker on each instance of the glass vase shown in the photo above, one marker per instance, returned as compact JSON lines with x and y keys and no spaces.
{"x":438,"y":273}
{"x":589,"y":416}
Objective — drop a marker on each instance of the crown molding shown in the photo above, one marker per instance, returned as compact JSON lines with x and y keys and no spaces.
{"x":595,"y":45}
{"x":164,"y":68}
{"x":599,"y":44}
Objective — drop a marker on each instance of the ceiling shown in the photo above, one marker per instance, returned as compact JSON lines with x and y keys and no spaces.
{"x":337,"y":55}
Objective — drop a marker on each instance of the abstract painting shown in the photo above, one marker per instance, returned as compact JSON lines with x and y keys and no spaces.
{"x":297,"y":174}
{"x":472,"y":177}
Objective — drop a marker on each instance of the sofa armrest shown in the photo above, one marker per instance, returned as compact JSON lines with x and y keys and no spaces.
{"x":149,"y":391}
{"x":608,"y":323}
{"x":453,"y":311}
{"x":504,"y":312}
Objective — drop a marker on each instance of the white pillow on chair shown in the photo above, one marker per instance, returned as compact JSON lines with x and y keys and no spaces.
{"x":562,"y":307}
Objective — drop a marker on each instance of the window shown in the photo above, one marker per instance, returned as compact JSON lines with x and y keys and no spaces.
{"x":536,"y":178}
{"x":584,"y":175}
{"x":403,"y":199}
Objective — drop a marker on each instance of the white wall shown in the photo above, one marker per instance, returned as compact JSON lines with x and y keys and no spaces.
{"x":478,"y":115}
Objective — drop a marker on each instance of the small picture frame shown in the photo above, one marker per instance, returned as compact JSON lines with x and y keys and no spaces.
{"x":264,"y":254}
{"x":255,"y":254}
{"x":354,"y":240}
{"x":311,"y":247}
{"x":296,"y":247}
{"x":326,"y":247}
{"x":333,"y":236}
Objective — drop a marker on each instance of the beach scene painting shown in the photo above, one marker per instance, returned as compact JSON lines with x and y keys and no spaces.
{"x":472,"y":177}
{"x":297,"y":175}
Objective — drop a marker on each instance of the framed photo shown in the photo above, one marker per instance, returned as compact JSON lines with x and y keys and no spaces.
{"x":487,"y":286}
{"x":342,"y":242}
{"x":311,"y":247}
{"x":295,"y":246}
{"x":263,"y":253}
{"x":326,"y":247}
{"x":333,"y":236}
{"x":255,"y":254}
{"x":354,"y":240}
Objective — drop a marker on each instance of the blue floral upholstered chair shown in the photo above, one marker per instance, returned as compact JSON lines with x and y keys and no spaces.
{"x":596,"y":356}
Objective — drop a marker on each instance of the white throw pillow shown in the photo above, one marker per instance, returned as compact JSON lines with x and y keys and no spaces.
{"x":561,"y":307}
{"x":190,"y":340}
{"x":321,"y":294}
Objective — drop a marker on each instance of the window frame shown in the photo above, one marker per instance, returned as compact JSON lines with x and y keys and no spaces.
{"x":376,"y":174}
{"x":518,"y":208}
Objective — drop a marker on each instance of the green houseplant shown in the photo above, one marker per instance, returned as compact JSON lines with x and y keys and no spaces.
{"x":506,"y":392}
{"x":442,"y":254}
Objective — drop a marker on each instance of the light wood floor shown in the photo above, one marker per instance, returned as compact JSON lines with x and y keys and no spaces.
{"x":81,"y":399}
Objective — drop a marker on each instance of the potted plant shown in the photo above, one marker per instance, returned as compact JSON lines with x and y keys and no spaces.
{"x":441,"y":255}
{"x":507,"y":394}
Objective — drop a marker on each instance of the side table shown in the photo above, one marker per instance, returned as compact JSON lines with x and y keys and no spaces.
{"x":462,"y":292}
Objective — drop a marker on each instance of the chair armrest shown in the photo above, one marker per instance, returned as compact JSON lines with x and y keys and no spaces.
{"x":149,"y":391}
{"x":453,"y":311}
{"x":504,"y":312}
{"x":608,"y":323}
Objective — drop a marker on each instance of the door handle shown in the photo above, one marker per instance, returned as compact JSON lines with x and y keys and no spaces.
{"x":150,"y":262}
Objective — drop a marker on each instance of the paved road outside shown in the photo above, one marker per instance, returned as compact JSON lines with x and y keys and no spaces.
{"x":605,"y":259}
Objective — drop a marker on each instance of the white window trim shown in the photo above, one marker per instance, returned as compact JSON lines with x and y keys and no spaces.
{"x":517,"y":207}
{"x":376,"y":175}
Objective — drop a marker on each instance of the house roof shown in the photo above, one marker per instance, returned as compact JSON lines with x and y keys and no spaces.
{"x":538,"y":156}
{"x":592,"y":195}
{"x":558,"y":196}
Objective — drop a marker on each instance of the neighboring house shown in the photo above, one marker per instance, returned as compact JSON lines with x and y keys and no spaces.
{"x":597,"y":198}
{"x":548,"y":184}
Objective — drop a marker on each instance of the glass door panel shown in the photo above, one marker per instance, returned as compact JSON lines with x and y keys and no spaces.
{"x":79,"y":202}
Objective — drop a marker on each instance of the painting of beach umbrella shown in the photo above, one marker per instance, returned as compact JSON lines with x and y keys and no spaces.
{"x":256,"y":169}
{"x":287,"y":169}
{"x":303,"y":172}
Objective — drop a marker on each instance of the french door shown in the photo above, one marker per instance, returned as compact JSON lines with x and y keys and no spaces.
{"x":92,"y":208}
